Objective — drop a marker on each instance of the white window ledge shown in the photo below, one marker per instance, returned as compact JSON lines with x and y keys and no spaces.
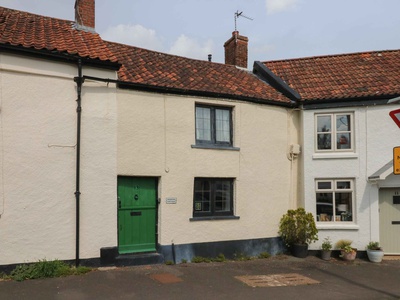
{"x":337,"y":226}
{"x":335,"y":155}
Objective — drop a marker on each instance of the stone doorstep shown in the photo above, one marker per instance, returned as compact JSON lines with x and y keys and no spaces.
{"x":391,"y":257}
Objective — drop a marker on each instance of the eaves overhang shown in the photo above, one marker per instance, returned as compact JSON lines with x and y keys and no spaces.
{"x":347,"y":102}
{"x":200,"y":93}
{"x":59,"y":56}
{"x":382,"y":173}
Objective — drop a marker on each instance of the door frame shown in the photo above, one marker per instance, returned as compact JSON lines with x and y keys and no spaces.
{"x":381,"y":199}
{"x":156,"y":235}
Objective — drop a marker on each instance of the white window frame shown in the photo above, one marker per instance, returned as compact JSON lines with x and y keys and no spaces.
{"x":333,"y":190}
{"x":334,"y":132}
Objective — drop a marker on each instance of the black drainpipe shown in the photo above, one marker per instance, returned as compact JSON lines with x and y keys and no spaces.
{"x":79,"y":81}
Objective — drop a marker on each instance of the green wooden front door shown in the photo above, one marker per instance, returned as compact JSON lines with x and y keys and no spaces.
{"x":137,"y":210}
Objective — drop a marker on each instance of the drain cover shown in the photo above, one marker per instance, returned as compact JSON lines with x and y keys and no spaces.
{"x":165,"y":278}
{"x":291,"y":279}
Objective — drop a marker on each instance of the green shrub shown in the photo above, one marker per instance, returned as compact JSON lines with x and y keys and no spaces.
{"x":200,"y":259}
{"x":298,"y":227}
{"x":219,"y":258}
{"x":45,"y":269}
{"x":241,"y":257}
{"x":374,"y":246}
{"x":169,"y":262}
{"x":326,"y":244}
{"x":263,"y":255}
{"x":343,"y":244}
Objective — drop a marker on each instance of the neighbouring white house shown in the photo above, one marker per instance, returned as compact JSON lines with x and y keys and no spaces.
{"x":109,"y":150}
{"x":348,"y":139}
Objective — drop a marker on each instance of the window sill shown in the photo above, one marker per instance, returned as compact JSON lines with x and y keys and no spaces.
{"x":215,"y":147}
{"x":334,"y":155}
{"x":334,"y":226}
{"x":211,"y":218}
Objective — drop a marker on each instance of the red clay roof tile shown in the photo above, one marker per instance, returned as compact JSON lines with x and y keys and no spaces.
{"x":355,"y":75}
{"x":18,"y":28}
{"x":164,"y":70}
{"x":140,"y":66}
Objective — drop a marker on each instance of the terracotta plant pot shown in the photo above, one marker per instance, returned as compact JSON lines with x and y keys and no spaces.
{"x":348,"y":256}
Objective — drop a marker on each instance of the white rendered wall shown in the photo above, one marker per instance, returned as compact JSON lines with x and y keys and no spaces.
{"x":375,"y":136}
{"x":155,"y":135}
{"x":38,"y":156}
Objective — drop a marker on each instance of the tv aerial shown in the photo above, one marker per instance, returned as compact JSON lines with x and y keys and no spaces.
{"x":240,"y":14}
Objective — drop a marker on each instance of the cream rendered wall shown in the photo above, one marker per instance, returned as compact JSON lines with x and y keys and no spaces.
{"x":155,"y":135}
{"x":38,"y":156}
{"x":375,"y":136}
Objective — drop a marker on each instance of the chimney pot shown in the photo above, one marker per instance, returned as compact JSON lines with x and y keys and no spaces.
{"x":85,"y":15}
{"x":236,"y":51}
{"x":209,"y":57}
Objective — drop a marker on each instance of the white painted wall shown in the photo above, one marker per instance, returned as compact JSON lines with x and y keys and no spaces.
{"x":37,"y":161}
{"x":155,"y":134}
{"x":375,"y":136}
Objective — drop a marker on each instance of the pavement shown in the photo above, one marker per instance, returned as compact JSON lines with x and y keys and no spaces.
{"x":279,"y":277}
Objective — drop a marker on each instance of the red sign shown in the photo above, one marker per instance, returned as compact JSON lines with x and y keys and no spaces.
{"x":395,"y":115}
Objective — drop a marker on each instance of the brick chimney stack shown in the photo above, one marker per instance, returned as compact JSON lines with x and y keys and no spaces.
{"x":236,"y":50}
{"x":85,"y":15}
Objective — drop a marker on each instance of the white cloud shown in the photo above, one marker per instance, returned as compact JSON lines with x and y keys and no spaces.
{"x":135,"y":35}
{"x":275,"y":6}
{"x":185,"y":46}
{"x":139,"y":36}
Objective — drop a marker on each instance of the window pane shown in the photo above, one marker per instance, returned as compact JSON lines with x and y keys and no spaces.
{"x":325,"y":207}
{"x":203,"y":123}
{"x":324,"y":141}
{"x":343,"y":207}
{"x":343,"y":185}
{"x":213,"y":197}
{"x":343,"y":141}
{"x":324,"y":124}
{"x":222,"y":122}
{"x":324,"y":185}
{"x":202,"y":195}
{"x":343,"y":122}
{"x":222,"y":195}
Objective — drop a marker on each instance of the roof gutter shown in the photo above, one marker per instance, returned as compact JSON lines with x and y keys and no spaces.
{"x":176,"y":91}
{"x":350,"y":102}
{"x":60,"y":56}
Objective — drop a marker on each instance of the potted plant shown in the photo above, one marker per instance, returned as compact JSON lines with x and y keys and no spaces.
{"x":347,"y":252}
{"x":375,"y":252}
{"x":326,"y":249}
{"x":297,"y":229}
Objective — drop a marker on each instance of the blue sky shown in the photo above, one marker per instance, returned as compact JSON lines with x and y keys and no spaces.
{"x":280,"y":29}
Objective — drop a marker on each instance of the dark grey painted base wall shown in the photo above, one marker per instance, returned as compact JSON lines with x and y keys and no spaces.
{"x":252,"y":247}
